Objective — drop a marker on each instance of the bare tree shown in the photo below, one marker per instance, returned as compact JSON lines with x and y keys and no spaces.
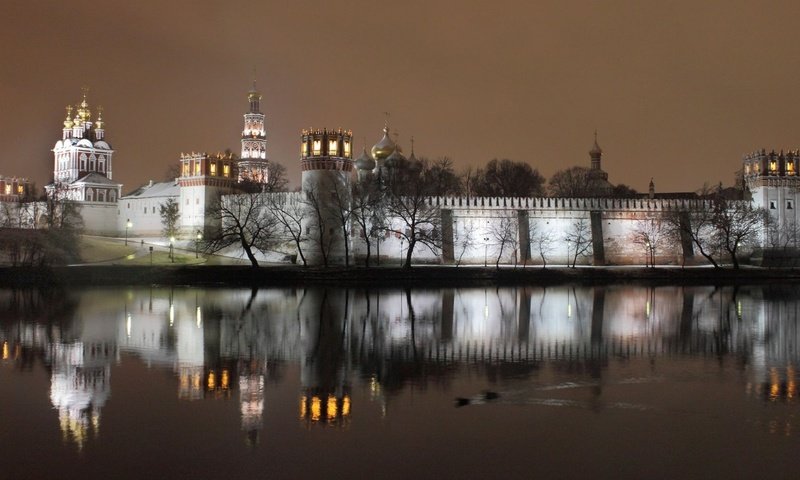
{"x":507,"y":178}
{"x":465,"y":240}
{"x":695,"y":225}
{"x":579,"y":239}
{"x":418,"y":221}
{"x":341,"y":209}
{"x":444,"y":180}
{"x":504,"y":234}
{"x":543,"y":240}
{"x":737,"y":224}
{"x":288,"y":210}
{"x":651,"y":235}
{"x":244,"y":222}
{"x":320,"y":228}
{"x":367,"y":213}
{"x":781,"y":235}
{"x":571,"y":182}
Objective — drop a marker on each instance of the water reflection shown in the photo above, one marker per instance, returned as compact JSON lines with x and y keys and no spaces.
{"x":233,"y":344}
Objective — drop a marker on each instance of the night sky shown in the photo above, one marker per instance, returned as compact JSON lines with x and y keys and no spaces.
{"x":677,"y":90}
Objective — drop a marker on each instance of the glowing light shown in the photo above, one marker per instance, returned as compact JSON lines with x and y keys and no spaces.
{"x":346,"y":406}
{"x":226,"y":170}
{"x":128,"y":325}
{"x":647,"y":309}
{"x":303,"y":406}
{"x":212,"y":380}
{"x":331,"y":408}
{"x":317,"y":147}
{"x":171,"y":315}
{"x":333,"y":147}
{"x":199,"y":315}
{"x":774,"y":384}
{"x":5,"y":350}
{"x":316,"y":408}
{"x":225,"y":380}
{"x":739,"y":308}
{"x":213,"y":168}
{"x":569,"y":310}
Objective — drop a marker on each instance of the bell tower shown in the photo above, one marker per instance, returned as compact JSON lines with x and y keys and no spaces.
{"x":253,"y":160}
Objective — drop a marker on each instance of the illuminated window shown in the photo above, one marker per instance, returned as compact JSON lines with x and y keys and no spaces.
{"x":213,"y":168}
{"x":20,"y":189}
{"x":317,"y":148}
{"x":185,"y":169}
{"x":333,"y":147}
{"x":773,"y":165}
{"x":8,"y":189}
{"x":304,"y":149}
{"x":790,"y":167}
{"x":197,"y":168}
{"x":226,"y":170}
{"x":346,"y":149}
{"x":747,"y":169}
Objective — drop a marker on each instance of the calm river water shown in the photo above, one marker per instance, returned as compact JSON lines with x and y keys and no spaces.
{"x":603,"y":382}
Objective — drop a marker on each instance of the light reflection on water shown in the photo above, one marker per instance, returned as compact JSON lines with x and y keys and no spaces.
{"x":350,"y":362}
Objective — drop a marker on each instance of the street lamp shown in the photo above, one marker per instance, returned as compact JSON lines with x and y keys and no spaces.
{"x":199,"y":237}
{"x":171,"y":251}
{"x":485,"y":249}
{"x":128,"y":225}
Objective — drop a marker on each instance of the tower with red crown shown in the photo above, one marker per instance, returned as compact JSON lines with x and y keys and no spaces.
{"x":326,"y":159}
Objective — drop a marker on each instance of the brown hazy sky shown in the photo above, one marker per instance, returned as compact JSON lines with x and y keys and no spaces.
{"x":678,"y":90}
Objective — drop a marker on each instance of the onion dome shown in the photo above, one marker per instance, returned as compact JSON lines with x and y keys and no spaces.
{"x":396,"y":159}
{"x":68,"y":120}
{"x":365,"y":162}
{"x":596,"y":150}
{"x":384,"y":148}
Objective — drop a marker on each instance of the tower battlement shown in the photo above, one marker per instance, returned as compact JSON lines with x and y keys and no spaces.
{"x":771,"y":164}
{"x":323,"y":149}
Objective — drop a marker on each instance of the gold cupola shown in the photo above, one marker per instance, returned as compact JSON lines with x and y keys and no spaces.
{"x":384,"y":147}
{"x":68,"y":120}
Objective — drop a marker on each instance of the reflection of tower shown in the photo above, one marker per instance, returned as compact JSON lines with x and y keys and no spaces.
{"x":80,"y":386}
{"x":251,"y":402}
{"x":327,"y":161}
{"x":189,"y":349}
{"x":325,"y":396}
{"x":253,"y":163}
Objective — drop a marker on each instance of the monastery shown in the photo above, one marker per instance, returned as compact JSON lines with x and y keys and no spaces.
{"x":83,"y":173}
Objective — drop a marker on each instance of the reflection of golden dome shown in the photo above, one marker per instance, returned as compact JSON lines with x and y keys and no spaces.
{"x":385,"y":147}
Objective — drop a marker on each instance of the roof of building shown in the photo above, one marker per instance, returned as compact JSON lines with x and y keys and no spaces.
{"x":153,"y":190}
{"x":94,"y":177}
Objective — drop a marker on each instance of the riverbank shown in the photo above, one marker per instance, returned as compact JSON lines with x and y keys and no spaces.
{"x":383,"y":277}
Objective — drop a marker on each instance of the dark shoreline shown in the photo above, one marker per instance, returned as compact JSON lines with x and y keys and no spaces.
{"x":384,"y":277}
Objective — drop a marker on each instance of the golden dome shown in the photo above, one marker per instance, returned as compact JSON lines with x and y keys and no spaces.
{"x":68,"y":121}
{"x":385,"y":147}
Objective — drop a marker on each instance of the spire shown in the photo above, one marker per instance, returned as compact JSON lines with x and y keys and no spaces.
{"x":253,"y":96}
{"x":99,"y":123}
{"x":652,"y":189}
{"x":595,"y":153}
{"x":68,"y":120}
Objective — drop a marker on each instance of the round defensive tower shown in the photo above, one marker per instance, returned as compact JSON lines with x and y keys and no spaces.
{"x":327,"y":163}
